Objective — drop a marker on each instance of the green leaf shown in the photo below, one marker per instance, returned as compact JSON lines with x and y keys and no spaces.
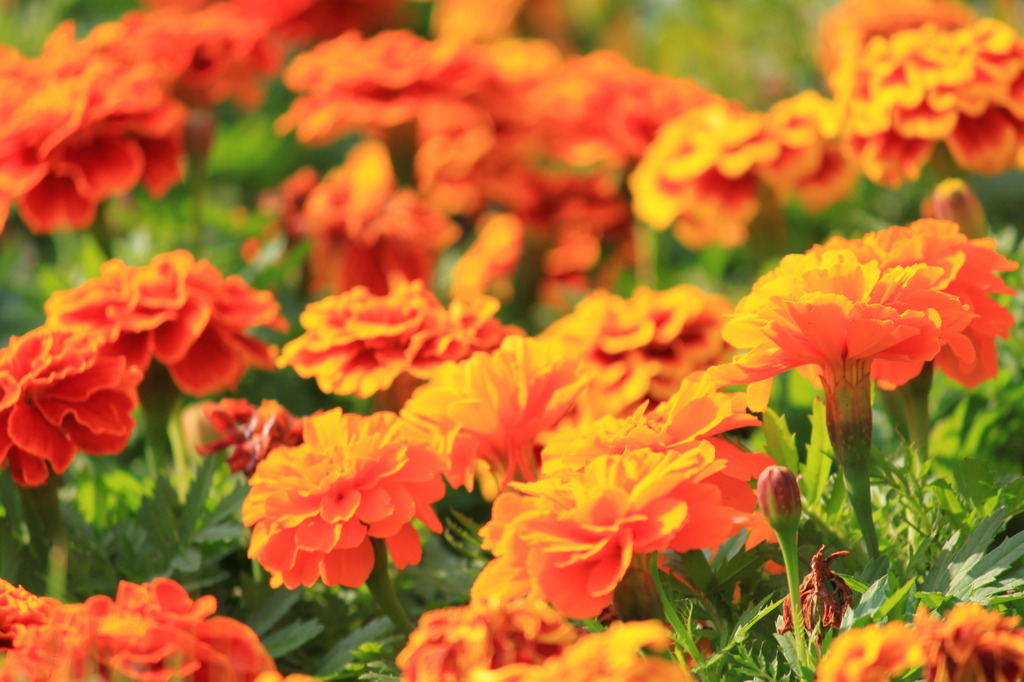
{"x":291,"y":637}
{"x":195,"y":501}
{"x":342,"y":653}
{"x":780,"y":443}
{"x":815,"y":474}
{"x":271,"y":610}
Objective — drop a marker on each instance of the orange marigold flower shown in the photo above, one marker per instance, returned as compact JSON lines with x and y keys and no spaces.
{"x":828,"y":310}
{"x":614,"y":655}
{"x":207,"y":55}
{"x":570,"y":537}
{"x":699,"y":175}
{"x":178,"y":310}
{"x":358,"y":343}
{"x":284,"y":203}
{"x":971,"y":643}
{"x":253,"y":431}
{"x":970,"y":270}
{"x":457,"y":643}
{"x":490,"y":261}
{"x":366,"y":232}
{"x":315,"y":509}
{"x":148,"y":633}
{"x":463,"y":21}
{"x":379,"y":82}
{"x":873,"y":653}
{"x":80,"y":127}
{"x":59,"y":394}
{"x":641,"y":347}
{"x":21,"y":610}
{"x":493,"y":407}
{"x":849,"y":25}
{"x":904,"y":94}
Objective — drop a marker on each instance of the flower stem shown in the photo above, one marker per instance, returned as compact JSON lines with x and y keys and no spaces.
{"x":48,"y":537}
{"x":101,"y":231}
{"x":645,"y":255}
{"x":787,"y":543}
{"x":914,"y":395}
{"x":160,"y":400}
{"x":383,"y":590}
{"x":636,"y":597}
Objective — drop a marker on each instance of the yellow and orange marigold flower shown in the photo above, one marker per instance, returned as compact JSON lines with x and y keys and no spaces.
{"x":489,"y":263}
{"x":180,"y":311}
{"x":460,"y":642}
{"x":80,"y":127}
{"x":21,"y":610}
{"x":837,"y":315}
{"x":848,"y":27}
{"x":358,"y":343}
{"x":642,"y":347}
{"x":874,"y":653}
{"x":903,"y":95}
{"x":492,"y":408}
{"x":379,"y":82}
{"x":253,"y":431}
{"x":59,"y":393}
{"x":207,"y":55}
{"x":970,"y":270}
{"x":317,"y":509}
{"x":365,"y":231}
{"x":570,"y":537}
{"x":971,"y":643}
{"x":148,"y":633}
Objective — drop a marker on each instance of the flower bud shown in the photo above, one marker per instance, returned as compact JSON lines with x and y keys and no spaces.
{"x":953,"y":199}
{"x":778,"y":495}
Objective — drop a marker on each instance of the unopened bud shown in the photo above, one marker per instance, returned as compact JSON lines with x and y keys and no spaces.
{"x":953,"y":199}
{"x":778,"y":494}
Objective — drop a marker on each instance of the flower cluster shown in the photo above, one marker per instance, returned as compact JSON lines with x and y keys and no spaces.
{"x":903,"y":95}
{"x":21,"y":610}
{"x":178,"y":310}
{"x":358,"y":343}
{"x":318,"y":509}
{"x":146,"y":633}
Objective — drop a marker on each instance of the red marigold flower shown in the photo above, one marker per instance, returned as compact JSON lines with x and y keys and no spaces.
{"x":903,"y":95}
{"x":642,"y":347}
{"x":380,"y":82}
{"x":207,"y":55}
{"x":178,"y":310}
{"x":614,"y":655}
{"x":971,"y":643}
{"x":365,"y":232}
{"x":970,"y":270}
{"x":493,"y":407}
{"x":60,"y":394}
{"x":873,"y":653}
{"x":570,"y":536}
{"x":459,"y":642}
{"x":359,"y":343}
{"x":148,"y":633}
{"x":80,"y":127}
{"x":253,"y":431}
{"x":315,"y":508}
{"x":21,"y":610}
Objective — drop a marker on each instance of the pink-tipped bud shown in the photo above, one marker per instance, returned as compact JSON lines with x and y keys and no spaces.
{"x":778,"y":494}
{"x":953,"y":199}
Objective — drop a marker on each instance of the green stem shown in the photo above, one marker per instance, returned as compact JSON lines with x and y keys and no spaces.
{"x":645,"y":255}
{"x":160,"y":400}
{"x":197,"y":183}
{"x":682,"y":633}
{"x":48,"y":538}
{"x":200,"y":129}
{"x":383,"y":590}
{"x":101,"y":231}
{"x":636,"y":597}
{"x":914,"y":395}
{"x":858,"y":485}
{"x":787,"y":543}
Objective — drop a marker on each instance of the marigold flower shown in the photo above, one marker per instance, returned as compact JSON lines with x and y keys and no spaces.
{"x":21,"y":610}
{"x":971,"y":643}
{"x":315,"y":507}
{"x":570,"y":536}
{"x":873,"y":653}
{"x":178,"y":310}
{"x":284,"y":203}
{"x":148,"y":633}
{"x":493,"y":407}
{"x":59,"y":394}
{"x":902,"y":95}
{"x":642,"y":347}
{"x":364,"y":232}
{"x":359,"y":343}
{"x":253,"y":431}
{"x":456,"y":643}
{"x":610,"y":656}
{"x":207,"y":55}
{"x":379,"y":82}
{"x":274,"y":676}
{"x":80,"y":127}
{"x":848,"y":26}
{"x":970,"y":270}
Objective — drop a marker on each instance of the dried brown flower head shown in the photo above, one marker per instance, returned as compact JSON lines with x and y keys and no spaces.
{"x":824,"y":597}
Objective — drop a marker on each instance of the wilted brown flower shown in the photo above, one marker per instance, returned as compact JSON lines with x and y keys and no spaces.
{"x":824,"y":596}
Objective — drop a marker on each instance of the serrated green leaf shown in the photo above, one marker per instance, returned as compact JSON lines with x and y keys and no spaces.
{"x":780,"y":443}
{"x":195,"y":501}
{"x":341,"y":654}
{"x":291,"y":637}
{"x":815,"y":473}
{"x":269,"y":612}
